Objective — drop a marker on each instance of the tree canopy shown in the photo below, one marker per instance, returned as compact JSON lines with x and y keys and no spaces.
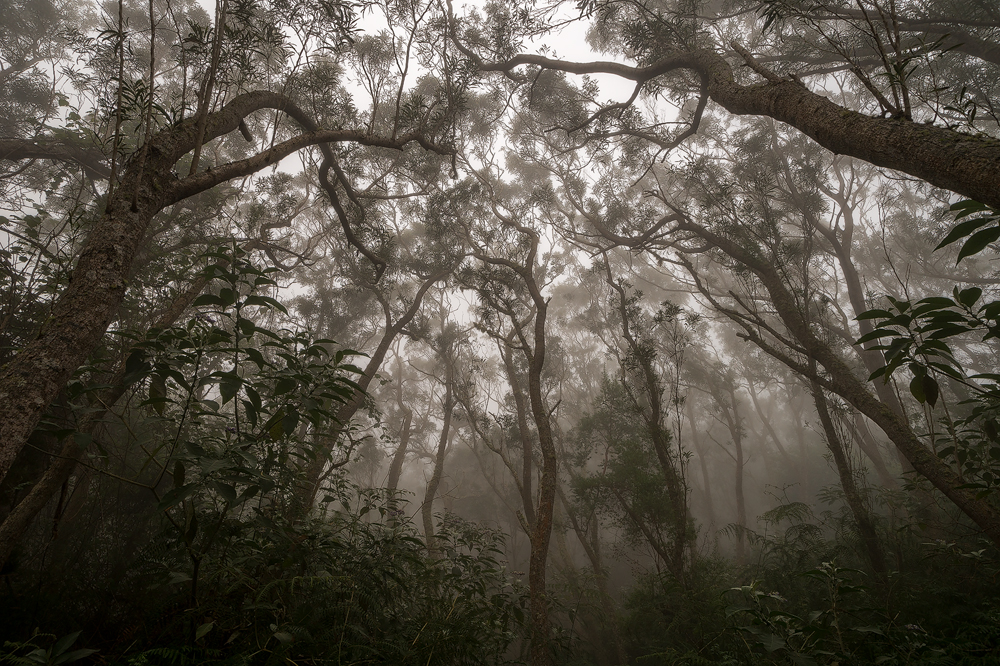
{"x":256,"y":257}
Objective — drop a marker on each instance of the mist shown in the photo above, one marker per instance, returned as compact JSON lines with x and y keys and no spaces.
{"x":593,"y":333}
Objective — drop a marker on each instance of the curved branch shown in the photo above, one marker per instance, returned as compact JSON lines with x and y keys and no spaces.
{"x":32,"y":149}
{"x":966,"y":164}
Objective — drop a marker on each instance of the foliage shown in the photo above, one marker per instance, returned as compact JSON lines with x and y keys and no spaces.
{"x":228,"y":570}
{"x":922,"y":335}
{"x":628,"y":488}
{"x":57,"y":653}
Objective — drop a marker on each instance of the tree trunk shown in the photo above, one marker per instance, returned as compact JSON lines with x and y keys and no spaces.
{"x":842,"y":381}
{"x":855,"y":501}
{"x":703,"y":463}
{"x":592,"y":547}
{"x":305,"y":497}
{"x":427,"y":509}
{"x":17,"y":522}
{"x":82,"y":312}
{"x":396,"y":467}
{"x":541,"y":652}
{"x":524,"y":434}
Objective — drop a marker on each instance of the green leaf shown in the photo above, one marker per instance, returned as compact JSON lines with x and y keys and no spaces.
{"x":968,"y":297}
{"x":251,"y":411}
{"x":247,"y":327}
{"x":200,"y":632}
{"x":75,"y":655}
{"x":265,"y":301}
{"x":967,"y":206}
{"x":256,"y":357}
{"x":924,"y":388}
{"x":207,"y":299}
{"x":978,"y":242}
{"x":962,"y":230}
{"x":63,"y":643}
{"x":873,"y":314}
{"x":284,"y":385}
{"x":226,"y":491}
{"x":230,"y":386}
{"x":289,"y":422}
{"x":877,"y":334}
{"x":158,"y":393}
{"x":176,"y":495}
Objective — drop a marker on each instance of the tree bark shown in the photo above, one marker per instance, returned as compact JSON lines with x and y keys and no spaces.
{"x":524,"y":434}
{"x":541,"y":653}
{"x":82,"y":313}
{"x":396,"y":466}
{"x":962,"y":163}
{"x":852,"y":494}
{"x":841,"y":380}
{"x":427,"y":508}
{"x":59,"y":471}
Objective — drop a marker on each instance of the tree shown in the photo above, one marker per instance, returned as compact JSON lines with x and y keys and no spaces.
{"x":144,"y":182}
{"x":673,"y":49}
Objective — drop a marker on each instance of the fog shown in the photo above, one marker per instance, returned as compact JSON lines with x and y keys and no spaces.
{"x":553,"y":333}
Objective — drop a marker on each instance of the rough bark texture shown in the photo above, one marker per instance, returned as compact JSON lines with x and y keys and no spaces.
{"x":83,"y":312}
{"x":524,"y":434}
{"x":541,"y":653}
{"x":17,"y":522}
{"x":969,"y":165}
{"x":38,"y":149}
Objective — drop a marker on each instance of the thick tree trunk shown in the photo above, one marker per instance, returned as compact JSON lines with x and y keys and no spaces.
{"x":82,"y":313}
{"x":17,"y":522}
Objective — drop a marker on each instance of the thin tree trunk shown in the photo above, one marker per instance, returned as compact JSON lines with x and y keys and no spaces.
{"x":703,"y":464}
{"x":855,"y":501}
{"x":427,"y":509}
{"x":592,"y":547}
{"x":541,"y":652}
{"x":524,"y":434}
{"x":735,"y":426}
{"x":305,"y":497}
{"x":396,"y":467}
